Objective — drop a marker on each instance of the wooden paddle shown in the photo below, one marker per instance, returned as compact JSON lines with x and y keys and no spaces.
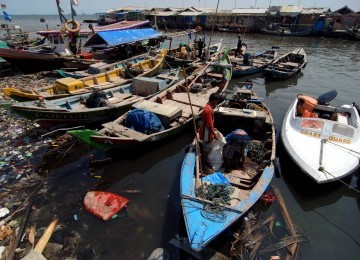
{"x":36,"y":253}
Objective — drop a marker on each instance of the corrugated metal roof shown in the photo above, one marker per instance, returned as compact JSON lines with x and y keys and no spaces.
{"x":190,"y":13}
{"x":314,"y":10}
{"x":249,"y":11}
{"x":112,"y":38}
{"x":290,"y":10}
{"x":162,"y":13}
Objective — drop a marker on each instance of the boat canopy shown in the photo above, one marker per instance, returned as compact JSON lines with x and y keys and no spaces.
{"x":118,"y":37}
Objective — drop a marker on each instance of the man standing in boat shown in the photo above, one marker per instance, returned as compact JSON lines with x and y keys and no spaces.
{"x":201,"y":45}
{"x":238,"y":47}
{"x":207,"y":130}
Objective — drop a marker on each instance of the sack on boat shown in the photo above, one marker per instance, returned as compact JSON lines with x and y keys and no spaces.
{"x":215,"y":156}
{"x":143,"y":121}
{"x":104,"y":204}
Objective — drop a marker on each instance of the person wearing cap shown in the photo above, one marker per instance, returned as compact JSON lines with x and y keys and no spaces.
{"x":238,"y":47}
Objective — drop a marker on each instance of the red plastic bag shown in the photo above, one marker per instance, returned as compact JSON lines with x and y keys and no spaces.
{"x":104,"y":204}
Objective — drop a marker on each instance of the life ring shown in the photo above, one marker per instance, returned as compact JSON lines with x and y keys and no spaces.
{"x":198,"y":28}
{"x":72,"y":26}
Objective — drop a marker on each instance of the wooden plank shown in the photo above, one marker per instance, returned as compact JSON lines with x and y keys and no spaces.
{"x":286,"y":241}
{"x":118,"y":97}
{"x":163,"y":110}
{"x":186,"y":110}
{"x":215,"y":75}
{"x":293,"y":248}
{"x":127,"y":132}
{"x":165,"y":76}
{"x":196,"y":100}
{"x":242,"y":112}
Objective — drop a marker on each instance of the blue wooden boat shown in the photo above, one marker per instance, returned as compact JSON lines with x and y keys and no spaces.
{"x":205,"y":219}
{"x":251,"y":64}
{"x":287,"y":65}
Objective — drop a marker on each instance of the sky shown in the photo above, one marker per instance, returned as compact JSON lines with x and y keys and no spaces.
{"x":93,"y":6}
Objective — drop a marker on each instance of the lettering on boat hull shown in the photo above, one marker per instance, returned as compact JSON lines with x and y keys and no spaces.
{"x":310,"y":133}
{"x":339,"y":140}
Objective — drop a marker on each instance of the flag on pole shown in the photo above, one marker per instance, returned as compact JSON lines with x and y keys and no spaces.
{"x":3,"y":6}
{"x":73,"y":12}
{"x":63,"y":19}
{"x":7,"y":16}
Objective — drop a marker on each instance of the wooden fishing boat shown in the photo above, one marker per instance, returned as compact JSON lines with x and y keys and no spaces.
{"x":170,"y":106}
{"x":74,"y":110}
{"x":353,"y":33}
{"x":323,"y":140}
{"x":174,"y":55}
{"x":287,"y":32}
{"x":100,"y":67}
{"x":208,"y":216}
{"x":69,"y":86}
{"x":251,"y":64}
{"x":123,"y":25}
{"x":233,"y":29}
{"x":31,"y":60}
{"x":77,"y":62}
{"x":287,"y":65}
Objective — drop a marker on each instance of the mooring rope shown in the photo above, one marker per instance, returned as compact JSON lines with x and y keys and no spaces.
{"x":219,"y":194}
{"x":355,"y":152}
{"x":347,"y":185}
{"x":255,"y":107}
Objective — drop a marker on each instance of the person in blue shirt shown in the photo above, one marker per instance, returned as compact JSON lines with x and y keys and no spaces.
{"x":235,"y":149}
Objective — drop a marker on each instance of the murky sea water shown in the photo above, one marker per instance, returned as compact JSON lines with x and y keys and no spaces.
{"x":328,"y":214}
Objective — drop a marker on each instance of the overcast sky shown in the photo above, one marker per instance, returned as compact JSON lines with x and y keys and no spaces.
{"x":93,"y":6}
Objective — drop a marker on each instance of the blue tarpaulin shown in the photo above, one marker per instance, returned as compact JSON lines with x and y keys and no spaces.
{"x":143,"y":121}
{"x":118,"y":37}
{"x":216,"y":178}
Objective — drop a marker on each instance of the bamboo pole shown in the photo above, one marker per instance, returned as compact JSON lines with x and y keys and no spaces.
{"x":198,"y":160}
{"x":198,"y":154}
{"x":212,"y":30}
{"x":293,"y":248}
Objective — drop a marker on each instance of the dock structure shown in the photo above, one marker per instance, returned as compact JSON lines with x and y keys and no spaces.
{"x":322,"y":21}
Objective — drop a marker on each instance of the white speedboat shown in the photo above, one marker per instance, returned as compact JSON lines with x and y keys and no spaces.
{"x":323,"y":140}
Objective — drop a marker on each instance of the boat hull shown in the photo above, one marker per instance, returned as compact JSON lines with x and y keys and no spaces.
{"x":116,"y":135}
{"x":30,"y":61}
{"x":239,"y":73}
{"x":287,"y":33}
{"x":203,"y":226}
{"x":200,"y":230}
{"x":256,"y":64}
{"x":287,"y":66}
{"x":320,"y":154}
{"x":55,"y":119}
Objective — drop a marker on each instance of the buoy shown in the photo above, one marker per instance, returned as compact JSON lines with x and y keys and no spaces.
{"x":72,"y":26}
